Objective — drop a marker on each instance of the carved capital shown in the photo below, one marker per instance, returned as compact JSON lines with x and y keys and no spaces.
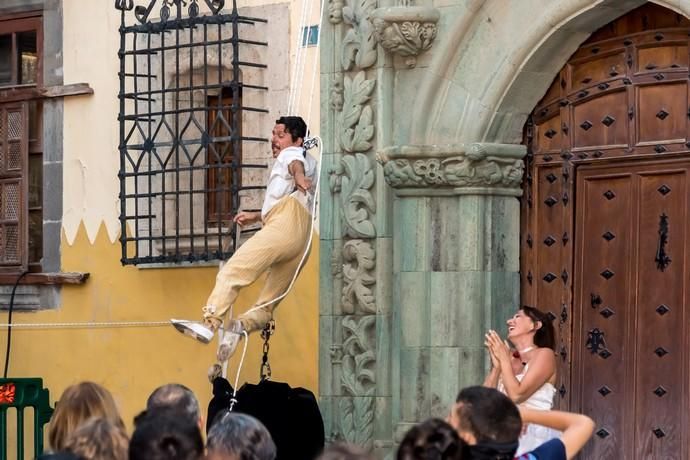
{"x":406,"y":30}
{"x":459,"y":169}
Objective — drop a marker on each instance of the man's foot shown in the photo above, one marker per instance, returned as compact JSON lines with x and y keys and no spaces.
{"x":214,"y":372}
{"x":231,"y":338}
{"x":193,"y":329}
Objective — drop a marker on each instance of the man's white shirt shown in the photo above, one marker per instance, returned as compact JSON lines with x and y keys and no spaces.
{"x":281,"y":183}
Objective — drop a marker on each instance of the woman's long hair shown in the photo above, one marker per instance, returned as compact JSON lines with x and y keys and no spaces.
{"x":77,"y":404}
{"x":545,"y":336}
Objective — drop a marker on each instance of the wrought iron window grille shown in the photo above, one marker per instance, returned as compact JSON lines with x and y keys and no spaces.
{"x":189,"y":160}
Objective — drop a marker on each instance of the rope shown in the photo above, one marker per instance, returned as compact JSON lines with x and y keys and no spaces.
{"x":87,"y":324}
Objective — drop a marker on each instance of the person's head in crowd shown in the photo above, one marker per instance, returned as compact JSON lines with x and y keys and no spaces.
{"x":433,"y":439}
{"x":236,"y":436}
{"x":78,"y":404}
{"x":163,"y":435}
{"x":343,"y":451}
{"x":488,"y":421}
{"x":98,"y":439}
{"x":175,"y":397}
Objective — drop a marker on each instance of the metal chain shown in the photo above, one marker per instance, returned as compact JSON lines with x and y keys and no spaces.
{"x":266,"y":333}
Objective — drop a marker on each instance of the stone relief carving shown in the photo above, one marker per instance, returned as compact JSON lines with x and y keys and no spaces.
{"x":360,"y":260}
{"x":406,"y":30}
{"x":356,"y":417}
{"x":353,"y":178}
{"x":357,"y":117}
{"x":335,"y":11}
{"x":475,"y":168}
{"x":359,"y":44}
{"x":337,"y":93}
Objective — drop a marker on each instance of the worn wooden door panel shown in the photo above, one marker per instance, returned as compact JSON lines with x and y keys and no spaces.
{"x":615,"y":117}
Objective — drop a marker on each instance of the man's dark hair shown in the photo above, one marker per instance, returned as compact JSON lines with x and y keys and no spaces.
{"x":433,"y":439}
{"x":240,"y":436}
{"x":174,"y":397}
{"x":164,"y":435}
{"x":489,"y":415}
{"x":295,"y":126}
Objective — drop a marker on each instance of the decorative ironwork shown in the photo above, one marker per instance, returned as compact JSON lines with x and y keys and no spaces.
{"x":604,"y":353}
{"x":564,"y":313}
{"x":549,"y":241}
{"x":550,"y":315}
{"x":564,"y":276}
{"x":595,"y":341}
{"x":608,"y":236}
{"x":595,"y":300}
{"x":564,"y":353}
{"x":550,"y":133}
{"x":659,"y":148}
{"x":549,"y":277}
{"x":604,"y":391}
{"x":609,"y":194}
{"x":660,"y":391}
{"x":659,"y":433}
{"x":659,"y":77}
{"x":608,"y":120}
{"x":562,"y":391}
{"x":662,"y":309}
{"x":529,"y":277}
{"x":606,"y":313}
{"x":565,"y":238}
{"x":602,"y":433}
{"x":603,"y":86}
{"x":586,"y":125}
{"x":662,"y":259}
{"x":664,"y":189}
{"x":550,"y":201}
{"x":662,"y":114}
{"x":660,"y":352}
{"x":529,"y":240}
{"x":607,"y":274}
{"x":182,"y":86}
{"x":551,"y":177}
{"x":565,"y":199}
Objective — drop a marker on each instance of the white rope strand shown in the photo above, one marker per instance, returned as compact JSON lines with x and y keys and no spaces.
{"x":86,"y":325}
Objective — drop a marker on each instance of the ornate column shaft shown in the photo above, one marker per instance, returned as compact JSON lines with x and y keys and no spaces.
{"x":455,"y":263}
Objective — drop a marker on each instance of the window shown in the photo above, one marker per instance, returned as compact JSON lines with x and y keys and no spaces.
{"x":21,"y":150}
{"x":184,"y":134}
{"x":220,"y":157}
{"x":310,"y":36}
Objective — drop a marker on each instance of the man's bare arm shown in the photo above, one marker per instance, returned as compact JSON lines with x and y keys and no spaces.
{"x":296,"y":170}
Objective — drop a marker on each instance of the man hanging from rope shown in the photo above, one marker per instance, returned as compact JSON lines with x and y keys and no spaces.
{"x":277,"y":249}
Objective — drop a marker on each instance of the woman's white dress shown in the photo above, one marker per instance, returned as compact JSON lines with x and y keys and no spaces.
{"x":542,"y":399}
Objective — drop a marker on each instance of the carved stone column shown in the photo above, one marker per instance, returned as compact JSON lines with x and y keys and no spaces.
{"x":455,"y":264}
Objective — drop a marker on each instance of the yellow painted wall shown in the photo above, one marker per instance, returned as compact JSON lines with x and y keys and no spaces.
{"x":131,"y":362}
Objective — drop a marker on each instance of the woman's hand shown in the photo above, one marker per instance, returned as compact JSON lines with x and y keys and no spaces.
{"x":495,"y":363}
{"x":498,"y":348}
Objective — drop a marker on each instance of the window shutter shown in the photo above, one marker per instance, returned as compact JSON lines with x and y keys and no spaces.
{"x":14,"y":161}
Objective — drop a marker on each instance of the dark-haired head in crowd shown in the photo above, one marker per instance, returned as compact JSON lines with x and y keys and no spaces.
{"x":177,"y":398}
{"x":488,"y":421}
{"x":98,"y":439}
{"x":433,"y":439}
{"x":236,"y":436}
{"x":342,"y":451}
{"x":164,"y":435}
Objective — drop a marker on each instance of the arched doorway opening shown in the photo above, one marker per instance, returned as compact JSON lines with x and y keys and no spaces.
{"x":605,"y":229}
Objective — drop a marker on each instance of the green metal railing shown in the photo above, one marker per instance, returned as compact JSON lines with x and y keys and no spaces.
{"x":20,"y":394}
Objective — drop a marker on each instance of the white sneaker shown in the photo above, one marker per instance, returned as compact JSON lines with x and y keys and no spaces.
{"x":193,"y":329}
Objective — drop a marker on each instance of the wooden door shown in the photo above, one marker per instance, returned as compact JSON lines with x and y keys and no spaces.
{"x":617,"y":110}
{"x":630,"y":346}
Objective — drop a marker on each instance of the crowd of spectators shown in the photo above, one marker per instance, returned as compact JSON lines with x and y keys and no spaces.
{"x":482,"y":424}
